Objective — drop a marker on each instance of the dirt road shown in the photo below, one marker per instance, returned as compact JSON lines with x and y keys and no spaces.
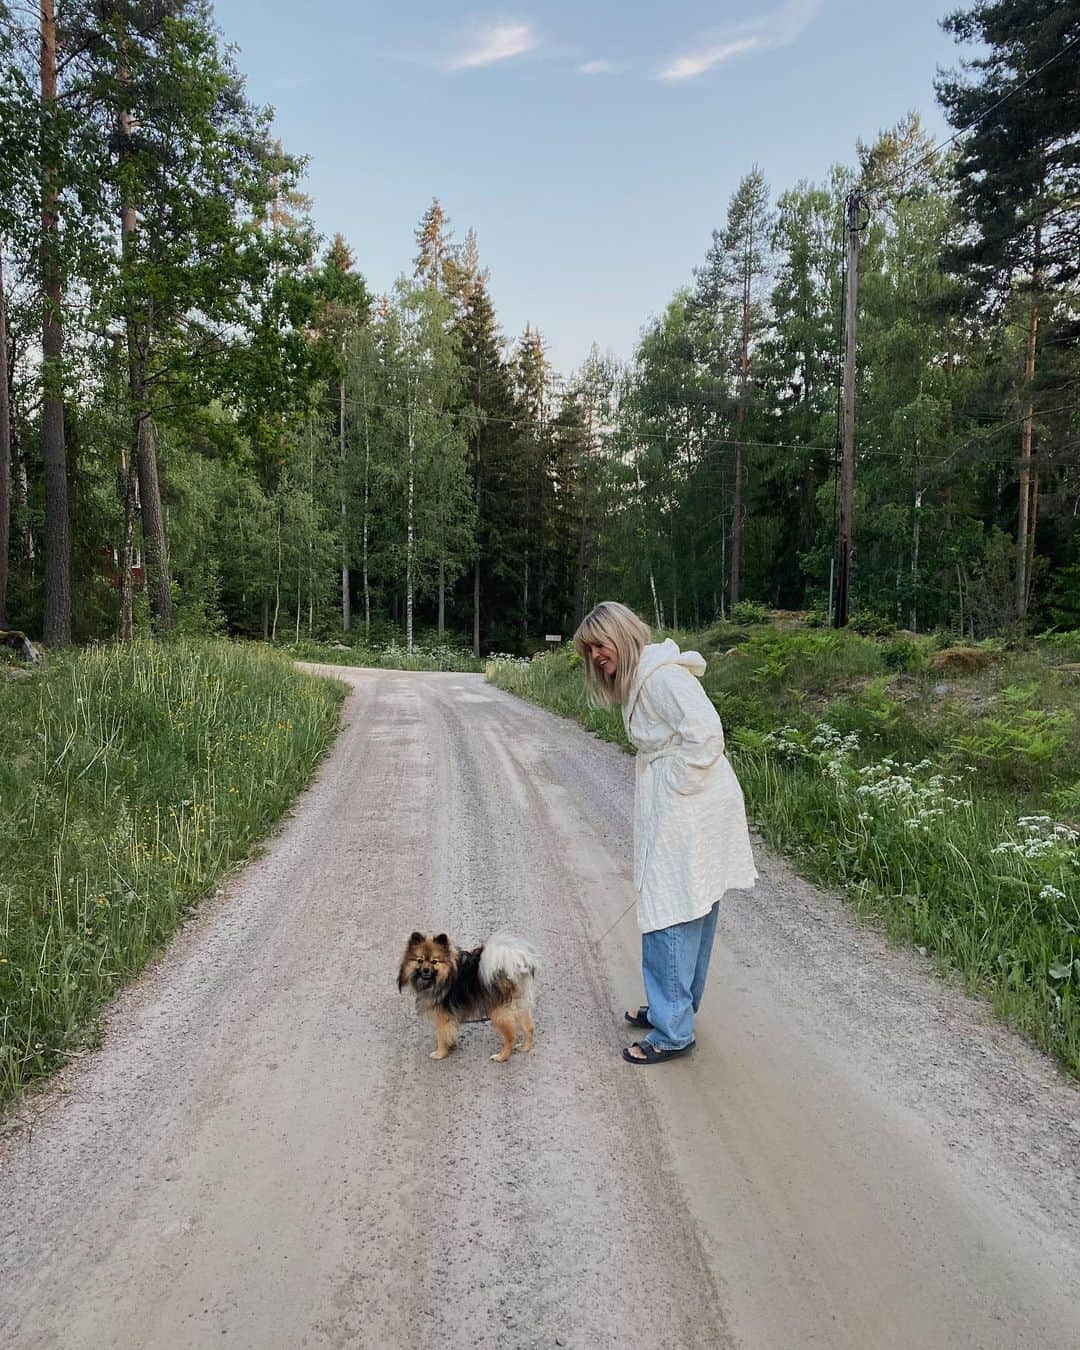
{"x":263,"y":1155}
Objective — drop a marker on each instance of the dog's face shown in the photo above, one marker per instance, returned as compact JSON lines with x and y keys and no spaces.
{"x":428,"y":962}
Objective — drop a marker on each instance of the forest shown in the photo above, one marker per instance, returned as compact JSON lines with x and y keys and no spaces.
{"x":209,"y":423}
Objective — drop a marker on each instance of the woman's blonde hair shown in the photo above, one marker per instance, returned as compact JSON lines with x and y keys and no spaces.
{"x":611,"y":625}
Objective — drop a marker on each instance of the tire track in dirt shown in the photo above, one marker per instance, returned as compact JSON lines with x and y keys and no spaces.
{"x":263,"y":1154}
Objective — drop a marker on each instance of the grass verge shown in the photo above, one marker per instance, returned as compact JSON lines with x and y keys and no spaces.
{"x":131,"y":779}
{"x":385,"y":656}
{"x":939,"y":794}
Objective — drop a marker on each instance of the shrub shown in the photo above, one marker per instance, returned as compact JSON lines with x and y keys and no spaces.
{"x":869,"y":624}
{"x":746,"y":612}
{"x":904,"y":656}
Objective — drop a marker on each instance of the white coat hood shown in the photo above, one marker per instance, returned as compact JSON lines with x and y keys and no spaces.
{"x":659,"y":654}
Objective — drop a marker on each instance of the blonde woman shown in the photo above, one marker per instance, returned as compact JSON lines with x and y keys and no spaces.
{"x":691,"y":843}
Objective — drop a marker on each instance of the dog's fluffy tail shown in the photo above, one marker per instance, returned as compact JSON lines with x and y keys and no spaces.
{"x":506,"y":957}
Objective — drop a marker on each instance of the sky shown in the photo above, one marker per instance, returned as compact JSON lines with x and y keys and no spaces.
{"x":593,"y":147}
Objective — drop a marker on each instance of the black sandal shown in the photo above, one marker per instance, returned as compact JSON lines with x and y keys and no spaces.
{"x":640,"y":1018}
{"x":653,"y":1054}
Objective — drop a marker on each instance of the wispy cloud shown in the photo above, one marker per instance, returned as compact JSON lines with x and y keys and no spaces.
{"x":598,"y":68}
{"x":778,"y":29}
{"x":692,"y":64}
{"x":493,"y":43}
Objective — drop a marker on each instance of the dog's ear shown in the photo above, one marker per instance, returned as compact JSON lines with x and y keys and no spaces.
{"x":441,"y":940}
{"x":415,"y":937}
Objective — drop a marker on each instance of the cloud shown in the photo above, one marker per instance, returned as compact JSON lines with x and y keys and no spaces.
{"x":778,"y":29}
{"x":598,"y":68}
{"x":693,"y":64}
{"x":496,"y":42}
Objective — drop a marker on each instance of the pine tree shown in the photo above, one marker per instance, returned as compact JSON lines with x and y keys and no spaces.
{"x":54,"y":454}
{"x":1018,"y":179}
{"x":17,"y":169}
{"x":5,"y":456}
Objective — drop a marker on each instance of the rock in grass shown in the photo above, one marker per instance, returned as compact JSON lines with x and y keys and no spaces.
{"x":20,"y":644}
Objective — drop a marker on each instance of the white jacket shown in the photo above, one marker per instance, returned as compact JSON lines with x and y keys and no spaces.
{"x":691,"y":842}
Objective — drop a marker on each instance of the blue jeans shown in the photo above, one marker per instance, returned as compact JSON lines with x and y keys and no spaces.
{"x":674,"y":964}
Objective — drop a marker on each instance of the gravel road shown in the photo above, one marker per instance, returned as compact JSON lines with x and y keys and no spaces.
{"x":263,"y":1155}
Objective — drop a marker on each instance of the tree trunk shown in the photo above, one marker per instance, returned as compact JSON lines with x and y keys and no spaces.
{"x":960,"y":595}
{"x":367,"y":499}
{"x":476,"y":542}
{"x":129,"y":463}
{"x":410,"y":539}
{"x":243,"y":554}
{"x":476,"y":608}
{"x":442,"y":597}
{"x":736,"y":517}
{"x":311,"y":548}
{"x":5,"y":458}
{"x":277,"y":578}
{"x":346,"y":598}
{"x":26,"y":545}
{"x":579,"y":582}
{"x":1024,"y":508}
{"x":916,"y":531}
{"x":299,"y":590}
{"x":57,"y":625}
{"x":1033,"y":520}
{"x":127,"y":579}
{"x":658,"y":617}
{"x":155,"y":546}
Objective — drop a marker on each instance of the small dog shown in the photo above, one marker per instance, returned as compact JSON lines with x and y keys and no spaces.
{"x":494,"y":980}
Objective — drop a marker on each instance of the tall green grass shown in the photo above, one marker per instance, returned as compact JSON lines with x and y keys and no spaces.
{"x":392,"y":655}
{"x":131,"y":778}
{"x":945,"y":807}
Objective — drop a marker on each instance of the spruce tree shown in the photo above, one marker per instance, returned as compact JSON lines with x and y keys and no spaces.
{"x":730,"y":287}
{"x":343,"y":304}
{"x":488,"y":393}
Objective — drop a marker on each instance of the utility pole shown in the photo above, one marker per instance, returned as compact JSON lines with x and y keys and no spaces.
{"x":5,"y":457}
{"x":853,"y":228}
{"x":343,"y":455}
{"x":57,"y":619}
